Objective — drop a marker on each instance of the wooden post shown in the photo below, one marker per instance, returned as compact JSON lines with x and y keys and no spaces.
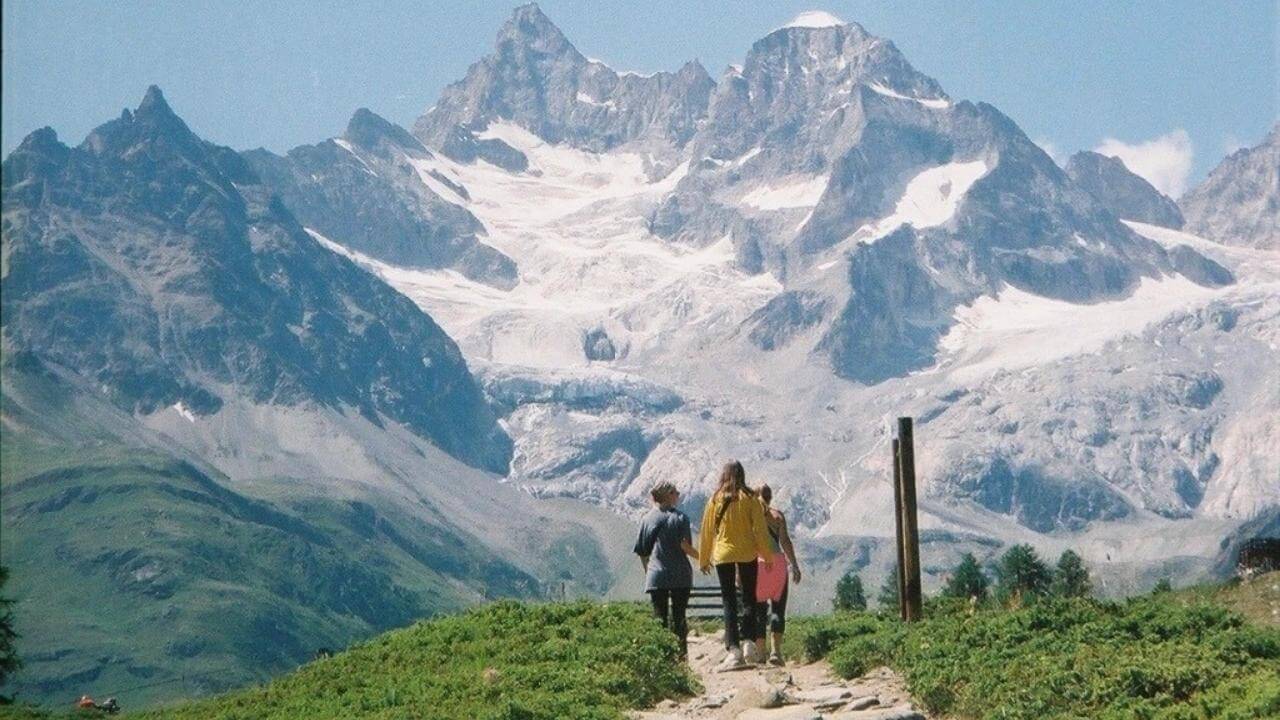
{"x":910,"y":569}
{"x":897,"y":517}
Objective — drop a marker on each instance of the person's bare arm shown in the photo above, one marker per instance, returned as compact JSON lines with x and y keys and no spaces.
{"x":784,"y":539}
{"x":644,"y":562}
{"x":689,"y":549}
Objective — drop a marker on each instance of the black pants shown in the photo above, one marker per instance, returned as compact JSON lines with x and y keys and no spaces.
{"x":669,"y":606}
{"x":739,"y":626}
{"x":776,"y":611}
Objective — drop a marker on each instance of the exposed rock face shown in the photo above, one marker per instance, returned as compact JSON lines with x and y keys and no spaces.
{"x":536,"y":78}
{"x":596,"y":345}
{"x":1239,"y":203}
{"x":371,"y":192}
{"x":1123,"y":193}
{"x":157,"y":266}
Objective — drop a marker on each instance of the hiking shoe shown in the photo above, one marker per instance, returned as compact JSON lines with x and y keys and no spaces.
{"x":732,"y":661}
{"x":750,"y":653}
{"x":776,"y":659}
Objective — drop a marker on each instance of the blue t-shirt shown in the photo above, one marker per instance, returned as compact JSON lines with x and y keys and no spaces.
{"x":661,"y":532}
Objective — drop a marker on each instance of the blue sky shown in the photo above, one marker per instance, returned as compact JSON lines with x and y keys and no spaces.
{"x":1174,"y":85}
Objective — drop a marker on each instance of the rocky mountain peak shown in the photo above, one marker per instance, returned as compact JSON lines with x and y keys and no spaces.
{"x":836,"y":55}
{"x":537,"y":79}
{"x":41,"y":142}
{"x":153,"y":123}
{"x":154,"y":104}
{"x":1239,"y":203}
{"x":804,"y":85}
{"x":367,"y":129}
{"x":529,"y":27}
{"x":1121,"y":191}
{"x":694,"y":72}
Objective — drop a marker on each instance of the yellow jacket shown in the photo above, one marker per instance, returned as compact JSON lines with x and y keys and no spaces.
{"x":742,"y":535}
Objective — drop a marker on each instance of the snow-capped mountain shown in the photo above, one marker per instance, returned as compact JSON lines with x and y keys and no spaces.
{"x":1123,"y":193}
{"x":1239,"y":203}
{"x":840,"y":242}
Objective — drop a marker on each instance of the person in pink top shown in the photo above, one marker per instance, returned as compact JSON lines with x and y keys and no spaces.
{"x":772,"y":583}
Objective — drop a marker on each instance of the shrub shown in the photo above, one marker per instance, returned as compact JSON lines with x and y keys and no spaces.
{"x":1153,"y":657}
{"x":502,"y":660}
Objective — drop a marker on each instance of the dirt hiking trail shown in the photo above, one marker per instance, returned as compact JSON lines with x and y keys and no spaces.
{"x":793,"y":692}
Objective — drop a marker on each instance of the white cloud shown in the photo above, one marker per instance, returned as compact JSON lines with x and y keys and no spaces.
{"x":1165,"y":162}
{"x":1050,"y":148}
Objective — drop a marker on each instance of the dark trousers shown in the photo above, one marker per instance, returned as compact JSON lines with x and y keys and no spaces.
{"x":776,"y":611}
{"x":669,"y":606}
{"x":739,"y":625}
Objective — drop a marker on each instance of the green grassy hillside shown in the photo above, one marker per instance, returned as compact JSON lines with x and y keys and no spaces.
{"x":1174,"y":656}
{"x":142,"y":572}
{"x":505,"y":660}
{"x":141,"y":575}
{"x":151,"y":564}
{"x":1257,"y":600}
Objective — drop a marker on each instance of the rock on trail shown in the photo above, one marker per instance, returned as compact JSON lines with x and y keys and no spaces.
{"x":794,"y":692}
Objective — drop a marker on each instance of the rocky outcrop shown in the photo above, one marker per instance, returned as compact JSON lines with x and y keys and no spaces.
{"x":371,"y":190}
{"x":1239,"y":203}
{"x":1125,"y":194}
{"x":538,"y":80}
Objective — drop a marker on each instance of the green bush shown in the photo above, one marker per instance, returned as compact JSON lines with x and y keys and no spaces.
{"x":1152,"y":657}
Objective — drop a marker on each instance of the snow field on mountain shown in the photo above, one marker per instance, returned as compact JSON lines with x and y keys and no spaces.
{"x":929,"y":200}
{"x":814,"y":19}
{"x":576,"y":221}
{"x":1016,"y":329}
{"x":935,"y":103}
{"x":796,"y":191}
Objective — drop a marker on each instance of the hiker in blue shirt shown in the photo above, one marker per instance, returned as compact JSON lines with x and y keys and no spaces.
{"x":664,"y":541}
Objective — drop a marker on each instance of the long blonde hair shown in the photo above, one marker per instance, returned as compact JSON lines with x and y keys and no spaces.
{"x":733,"y":482}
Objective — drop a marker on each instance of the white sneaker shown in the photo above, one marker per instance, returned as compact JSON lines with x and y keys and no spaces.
{"x":776,"y":659}
{"x":750,"y":653}
{"x":732,"y":661}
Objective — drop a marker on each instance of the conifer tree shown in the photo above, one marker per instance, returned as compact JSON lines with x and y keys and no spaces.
{"x":1071,"y":578}
{"x":8,"y":658}
{"x":967,"y":580}
{"x":1022,"y":575}
{"x":849,"y":594}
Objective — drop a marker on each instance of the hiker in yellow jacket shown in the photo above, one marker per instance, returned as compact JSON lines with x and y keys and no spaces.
{"x":733,"y":534}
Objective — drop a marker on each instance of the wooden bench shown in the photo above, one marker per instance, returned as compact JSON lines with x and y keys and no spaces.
{"x":704,"y":598}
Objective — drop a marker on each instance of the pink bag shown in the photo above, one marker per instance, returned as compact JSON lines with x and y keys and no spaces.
{"x":771,"y":578}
